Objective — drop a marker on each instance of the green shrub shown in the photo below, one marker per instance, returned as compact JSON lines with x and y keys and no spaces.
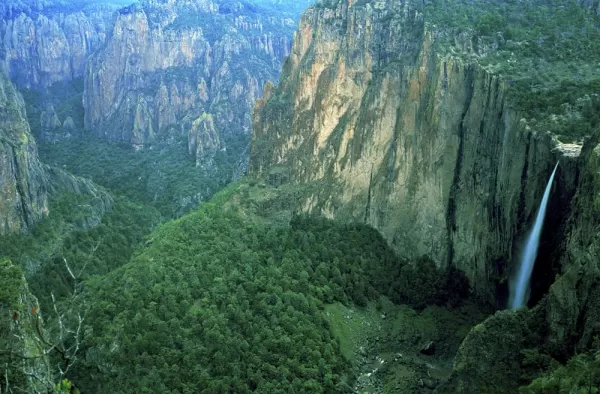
{"x":581,"y":375}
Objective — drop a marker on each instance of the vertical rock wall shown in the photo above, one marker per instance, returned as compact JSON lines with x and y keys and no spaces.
{"x":45,"y":45}
{"x":23,"y":188}
{"x":168,"y":63}
{"x":419,"y":144}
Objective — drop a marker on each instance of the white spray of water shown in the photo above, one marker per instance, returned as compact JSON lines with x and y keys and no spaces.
{"x":521,"y":286}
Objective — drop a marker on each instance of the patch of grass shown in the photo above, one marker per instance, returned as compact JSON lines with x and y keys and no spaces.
{"x":352,"y":327}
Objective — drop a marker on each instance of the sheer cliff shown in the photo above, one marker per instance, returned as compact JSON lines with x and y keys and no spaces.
{"x":169,"y":63}
{"x":23,"y":183}
{"x":44,"y":42}
{"x":403,"y":124}
{"x":25,"y":363}
{"x":438,"y":123}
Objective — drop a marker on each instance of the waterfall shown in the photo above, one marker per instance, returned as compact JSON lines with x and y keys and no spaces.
{"x":520,"y":288}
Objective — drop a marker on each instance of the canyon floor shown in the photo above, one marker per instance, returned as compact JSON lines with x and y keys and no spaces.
{"x":397,"y":349}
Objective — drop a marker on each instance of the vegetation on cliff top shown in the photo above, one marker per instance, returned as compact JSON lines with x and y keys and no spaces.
{"x":275,"y":17}
{"x":548,"y":51}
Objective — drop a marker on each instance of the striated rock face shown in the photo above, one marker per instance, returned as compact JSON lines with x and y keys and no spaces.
{"x":168,"y":62}
{"x":563,"y":323}
{"x":23,"y":183}
{"x":203,"y":139}
{"x":572,"y":311}
{"x":50,"y":43}
{"x":421,"y":145}
{"x":378,"y":122}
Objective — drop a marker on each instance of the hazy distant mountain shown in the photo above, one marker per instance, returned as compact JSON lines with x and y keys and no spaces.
{"x":191,"y":70}
{"x":44,"y":42}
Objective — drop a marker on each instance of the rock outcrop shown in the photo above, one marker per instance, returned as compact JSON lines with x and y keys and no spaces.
{"x":25,"y":183}
{"x":23,"y":179}
{"x":203,"y":139}
{"x":49,"y":41}
{"x":167,"y":63}
{"x":51,"y":129}
{"x":23,"y":353}
{"x":101,"y":200}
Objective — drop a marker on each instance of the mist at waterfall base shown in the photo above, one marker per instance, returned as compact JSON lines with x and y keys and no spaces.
{"x":520,"y":286}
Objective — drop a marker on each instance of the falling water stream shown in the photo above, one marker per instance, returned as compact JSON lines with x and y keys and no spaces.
{"x":521,"y":285}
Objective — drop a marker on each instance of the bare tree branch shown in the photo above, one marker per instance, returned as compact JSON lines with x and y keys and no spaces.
{"x":69,"y":269}
{"x":88,"y":260}
{"x":63,"y":337}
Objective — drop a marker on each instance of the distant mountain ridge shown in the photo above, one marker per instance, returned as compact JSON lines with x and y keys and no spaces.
{"x":12,"y":8}
{"x":186,"y":70}
{"x":45,"y":42}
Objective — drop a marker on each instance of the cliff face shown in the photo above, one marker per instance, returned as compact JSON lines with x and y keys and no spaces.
{"x":424,"y":146}
{"x":381,"y":120}
{"x":23,"y":183}
{"x":169,"y":62}
{"x":47,"y":43}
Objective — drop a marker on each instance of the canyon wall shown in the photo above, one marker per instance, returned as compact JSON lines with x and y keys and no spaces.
{"x":45,"y":42}
{"x":377,"y":118}
{"x":417,"y":143}
{"x":26,"y":184}
{"x":170,"y":64}
{"x":23,"y":181}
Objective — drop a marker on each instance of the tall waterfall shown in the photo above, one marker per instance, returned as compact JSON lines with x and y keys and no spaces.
{"x":520,"y":288}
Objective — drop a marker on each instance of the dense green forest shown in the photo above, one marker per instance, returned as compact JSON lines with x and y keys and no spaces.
{"x":66,"y":234}
{"x":581,"y":374}
{"x":218,"y":301}
{"x":165,"y":178}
